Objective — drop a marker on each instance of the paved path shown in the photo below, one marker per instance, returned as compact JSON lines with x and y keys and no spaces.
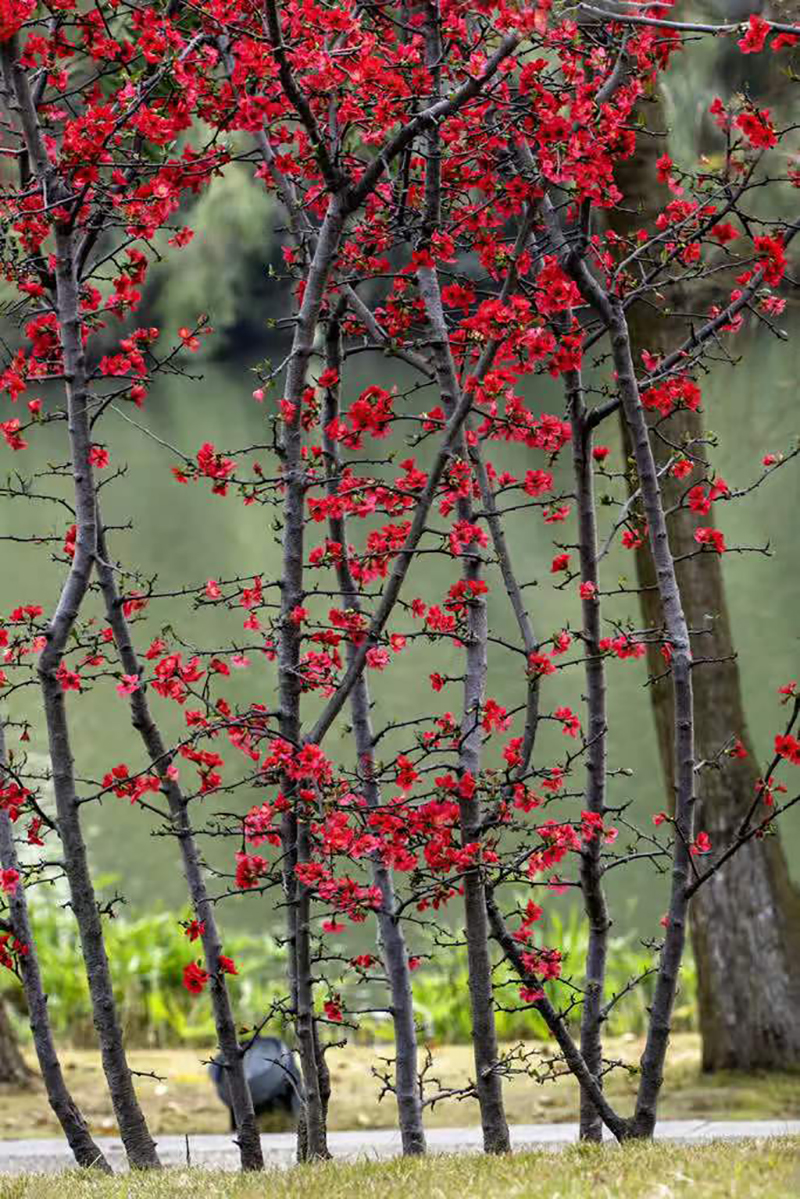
{"x":220,"y":1152}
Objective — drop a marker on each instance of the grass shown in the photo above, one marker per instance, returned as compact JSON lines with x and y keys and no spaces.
{"x":185,"y":1102}
{"x":764,"y":1169}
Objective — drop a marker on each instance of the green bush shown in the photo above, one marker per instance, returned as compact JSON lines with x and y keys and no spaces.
{"x":442,"y":996}
{"x":148,"y":955}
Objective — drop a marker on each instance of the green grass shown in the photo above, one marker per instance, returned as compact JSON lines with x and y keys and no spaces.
{"x":764,"y":1169}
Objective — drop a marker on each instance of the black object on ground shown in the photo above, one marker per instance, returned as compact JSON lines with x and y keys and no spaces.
{"x":272,"y":1074}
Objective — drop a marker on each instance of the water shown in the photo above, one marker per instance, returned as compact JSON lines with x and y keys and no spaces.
{"x":183,"y":535}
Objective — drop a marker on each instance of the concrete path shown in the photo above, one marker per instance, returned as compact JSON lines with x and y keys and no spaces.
{"x":220,"y":1152}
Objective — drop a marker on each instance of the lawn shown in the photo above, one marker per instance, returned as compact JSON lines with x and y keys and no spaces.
{"x":184,"y":1101}
{"x":767,"y":1169}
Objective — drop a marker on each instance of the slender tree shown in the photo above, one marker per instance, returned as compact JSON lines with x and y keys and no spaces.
{"x":14,"y":1070}
{"x":69,"y":1115}
{"x":441,"y":170}
{"x":746,"y":926}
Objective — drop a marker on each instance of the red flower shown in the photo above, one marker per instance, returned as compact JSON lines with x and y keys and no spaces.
{"x":789,"y":748}
{"x":70,"y":680}
{"x":755,"y":36}
{"x":9,"y":881}
{"x":333,"y":1009}
{"x":10,"y":430}
{"x":540,"y":664}
{"x":406,"y":774}
{"x":215,"y":466}
{"x":712,"y":537}
{"x":631,"y":540}
{"x":249,"y":869}
{"x":757,"y":128}
{"x":13,"y":15}
{"x":571,"y":725}
{"x":195,"y":979}
{"x":364,"y":961}
{"x":130,"y":683}
{"x":773,"y":258}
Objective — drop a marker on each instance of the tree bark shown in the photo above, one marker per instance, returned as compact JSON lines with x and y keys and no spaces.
{"x":13,"y":1068}
{"x":232,"y":1060}
{"x":133,"y":1128}
{"x":594,"y":900}
{"x":312,"y":1135}
{"x":488,"y":1079}
{"x":390,"y":931}
{"x":745,"y":921}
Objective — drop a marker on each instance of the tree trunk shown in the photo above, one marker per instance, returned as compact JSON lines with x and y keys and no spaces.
{"x":745,"y":921}
{"x":391,"y":938}
{"x":134,"y":1132}
{"x":488,"y":1078}
{"x":14,"y":1071}
{"x":295,"y":835}
{"x":232,"y":1061}
{"x":594,"y":900}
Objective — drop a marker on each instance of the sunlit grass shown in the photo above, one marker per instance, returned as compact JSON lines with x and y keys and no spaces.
{"x":766,"y":1169}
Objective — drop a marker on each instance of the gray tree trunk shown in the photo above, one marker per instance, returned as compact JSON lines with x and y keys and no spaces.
{"x":232,"y":1061}
{"x":14,"y":1070}
{"x":594,"y":900}
{"x":133,"y":1128}
{"x":745,"y":921}
{"x":312,"y":1133}
{"x":390,"y":931}
{"x":488,"y":1079}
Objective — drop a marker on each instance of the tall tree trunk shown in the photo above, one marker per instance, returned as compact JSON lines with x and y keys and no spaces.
{"x":232,"y":1060}
{"x":391,"y":937}
{"x":745,"y":921}
{"x":139,"y":1145}
{"x":14,"y":1070}
{"x":594,"y":900}
{"x":295,"y":832}
{"x":488,"y":1079}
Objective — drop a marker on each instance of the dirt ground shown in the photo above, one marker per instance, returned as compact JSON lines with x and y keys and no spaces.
{"x":181,"y":1098}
